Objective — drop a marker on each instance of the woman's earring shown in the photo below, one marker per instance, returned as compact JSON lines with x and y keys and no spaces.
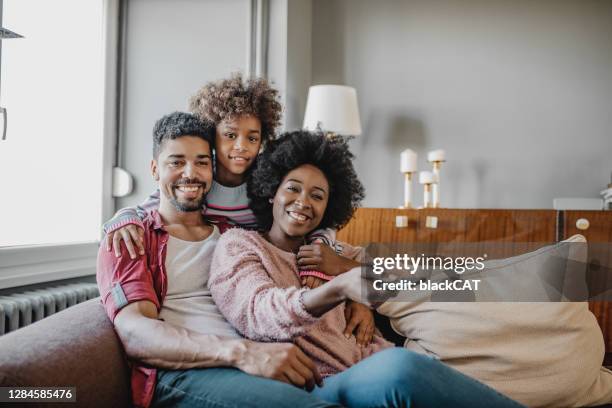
{"x":271,"y":200}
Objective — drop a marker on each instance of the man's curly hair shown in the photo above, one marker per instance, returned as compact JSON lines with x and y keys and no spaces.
{"x":293,"y":149}
{"x":233,"y":97}
{"x":177,"y":124}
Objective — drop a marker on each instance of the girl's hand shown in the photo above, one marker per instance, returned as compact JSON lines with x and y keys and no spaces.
{"x":321,"y":257}
{"x":312,"y":281}
{"x":360,"y":321}
{"x":130,"y":234}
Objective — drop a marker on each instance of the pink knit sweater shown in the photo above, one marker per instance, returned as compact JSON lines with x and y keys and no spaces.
{"x":256,"y":287}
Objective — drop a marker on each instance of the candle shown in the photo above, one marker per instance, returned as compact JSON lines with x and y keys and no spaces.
{"x":408,"y":161}
{"x":436,"y":156}
{"x":426,"y":177}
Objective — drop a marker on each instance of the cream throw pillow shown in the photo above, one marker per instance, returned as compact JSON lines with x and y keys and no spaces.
{"x":540,"y":354}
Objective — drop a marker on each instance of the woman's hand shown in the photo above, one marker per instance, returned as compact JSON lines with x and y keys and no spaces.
{"x":130,"y":234}
{"x":347,"y":286}
{"x":312,"y":281}
{"x":360,"y":321}
{"x":353,"y":285}
{"x":322,"y":258}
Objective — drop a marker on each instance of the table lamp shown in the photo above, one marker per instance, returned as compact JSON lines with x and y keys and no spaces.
{"x":332,"y":109}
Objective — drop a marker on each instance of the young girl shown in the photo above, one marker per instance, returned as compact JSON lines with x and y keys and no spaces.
{"x":246,"y":114}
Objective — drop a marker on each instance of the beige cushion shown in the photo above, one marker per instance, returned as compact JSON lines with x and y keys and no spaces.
{"x":540,"y":354}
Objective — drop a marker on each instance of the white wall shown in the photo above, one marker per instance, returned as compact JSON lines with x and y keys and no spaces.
{"x":518,"y":93}
{"x":173,"y":48}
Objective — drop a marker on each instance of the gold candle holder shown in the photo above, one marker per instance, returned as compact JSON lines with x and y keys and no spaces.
{"x":436,"y":186}
{"x":436,"y":158}
{"x":427,"y":202}
{"x":427,"y":179}
{"x":407,"y":190}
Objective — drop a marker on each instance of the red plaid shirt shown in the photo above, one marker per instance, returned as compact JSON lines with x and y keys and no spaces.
{"x":124,"y":280}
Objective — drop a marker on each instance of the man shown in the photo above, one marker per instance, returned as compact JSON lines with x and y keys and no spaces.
{"x":182,"y":351}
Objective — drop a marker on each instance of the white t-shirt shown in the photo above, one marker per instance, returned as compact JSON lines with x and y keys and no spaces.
{"x":188,"y":302}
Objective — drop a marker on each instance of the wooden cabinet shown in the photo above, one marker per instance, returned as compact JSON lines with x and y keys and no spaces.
{"x":516,"y":227}
{"x":450,"y":225}
{"x":596,"y":226}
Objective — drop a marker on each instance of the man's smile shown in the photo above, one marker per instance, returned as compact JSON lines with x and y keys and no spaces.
{"x":190,"y":190}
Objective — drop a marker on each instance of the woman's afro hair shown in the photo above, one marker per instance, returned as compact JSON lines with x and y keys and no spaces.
{"x":234,"y":97}
{"x":293,"y":149}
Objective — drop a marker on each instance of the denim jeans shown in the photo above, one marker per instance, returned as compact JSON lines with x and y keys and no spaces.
{"x":398,"y":377}
{"x":391,"y":378}
{"x":228,"y":388}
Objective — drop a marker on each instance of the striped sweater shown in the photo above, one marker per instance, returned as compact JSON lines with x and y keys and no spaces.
{"x":224,"y":205}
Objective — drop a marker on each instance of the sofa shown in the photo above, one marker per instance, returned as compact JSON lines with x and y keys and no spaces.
{"x":78,"y":348}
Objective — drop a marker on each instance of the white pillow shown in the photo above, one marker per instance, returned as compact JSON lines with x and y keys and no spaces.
{"x":540,"y":354}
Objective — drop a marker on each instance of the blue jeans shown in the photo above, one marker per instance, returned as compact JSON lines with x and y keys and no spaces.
{"x":398,"y":377}
{"x":228,"y":388}
{"x":391,"y":378}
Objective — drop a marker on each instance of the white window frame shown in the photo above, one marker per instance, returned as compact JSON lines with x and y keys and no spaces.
{"x":26,"y":265}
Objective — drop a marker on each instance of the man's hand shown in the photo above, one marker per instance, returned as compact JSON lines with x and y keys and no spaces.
{"x":280,"y":361}
{"x":130,"y":234}
{"x":359,"y":320}
{"x":322,"y":258}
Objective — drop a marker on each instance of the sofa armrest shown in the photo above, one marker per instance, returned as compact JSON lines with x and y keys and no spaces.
{"x":78,"y":348}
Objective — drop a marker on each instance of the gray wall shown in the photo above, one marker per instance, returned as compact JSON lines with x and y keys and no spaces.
{"x":519,"y":94}
{"x":173,"y":48}
{"x":290,"y":56}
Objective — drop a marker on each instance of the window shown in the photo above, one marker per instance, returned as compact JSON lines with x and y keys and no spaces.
{"x":52,"y":86}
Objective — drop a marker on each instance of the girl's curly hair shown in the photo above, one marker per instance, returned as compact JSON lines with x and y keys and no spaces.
{"x":293,"y":149}
{"x":233,"y":97}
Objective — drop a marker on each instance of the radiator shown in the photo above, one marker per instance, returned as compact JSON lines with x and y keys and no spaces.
{"x":21,"y":309}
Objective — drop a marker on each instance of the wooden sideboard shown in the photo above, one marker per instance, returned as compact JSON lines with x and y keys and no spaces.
{"x":379,"y":225}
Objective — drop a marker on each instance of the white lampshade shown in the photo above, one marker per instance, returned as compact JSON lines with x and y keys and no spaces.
{"x":332,"y":108}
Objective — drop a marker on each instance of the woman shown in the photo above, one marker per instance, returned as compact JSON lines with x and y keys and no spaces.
{"x":302,"y":182}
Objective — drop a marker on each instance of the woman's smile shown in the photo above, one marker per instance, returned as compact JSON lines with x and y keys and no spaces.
{"x":298,"y":217}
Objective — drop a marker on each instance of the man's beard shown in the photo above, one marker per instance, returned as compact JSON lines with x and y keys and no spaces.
{"x":188,"y":206}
